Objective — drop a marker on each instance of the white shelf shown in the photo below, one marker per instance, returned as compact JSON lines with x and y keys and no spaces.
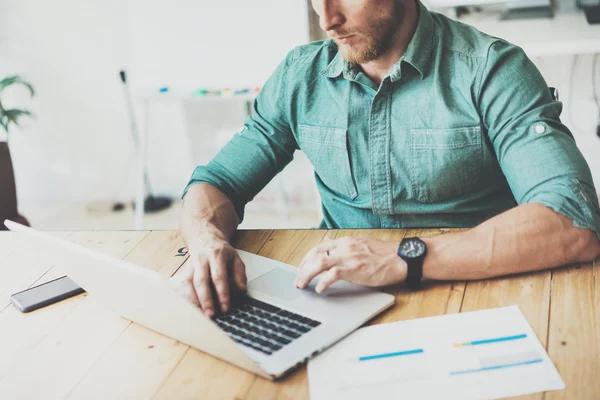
{"x":566,"y":33}
{"x":190,"y":96}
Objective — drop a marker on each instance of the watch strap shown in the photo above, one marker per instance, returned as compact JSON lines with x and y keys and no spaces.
{"x":415,"y":273}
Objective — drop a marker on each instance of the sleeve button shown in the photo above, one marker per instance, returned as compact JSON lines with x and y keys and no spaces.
{"x":540,"y":128}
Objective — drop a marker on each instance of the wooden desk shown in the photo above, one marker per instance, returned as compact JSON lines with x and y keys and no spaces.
{"x":77,"y":349}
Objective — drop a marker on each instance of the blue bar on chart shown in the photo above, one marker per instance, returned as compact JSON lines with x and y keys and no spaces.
{"x":488,"y":341}
{"x":494,"y":367}
{"x":388,"y":355}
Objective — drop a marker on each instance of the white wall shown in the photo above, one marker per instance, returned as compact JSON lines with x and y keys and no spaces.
{"x":206,"y":43}
{"x":70,"y":50}
{"x":79,"y":147}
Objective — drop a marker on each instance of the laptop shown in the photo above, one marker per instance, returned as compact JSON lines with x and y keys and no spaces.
{"x":269,"y":332}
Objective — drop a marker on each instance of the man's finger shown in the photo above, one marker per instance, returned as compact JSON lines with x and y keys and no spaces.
{"x":239,"y":273}
{"x":329,"y":278}
{"x":308,"y":256}
{"x":322,"y":247}
{"x":218,"y":271}
{"x":201,"y":281}
{"x":322,"y":263}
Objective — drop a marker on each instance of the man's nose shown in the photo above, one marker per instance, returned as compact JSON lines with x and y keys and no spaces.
{"x":330,"y":15}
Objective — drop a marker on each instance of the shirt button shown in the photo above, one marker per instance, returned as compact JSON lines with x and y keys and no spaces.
{"x":540,"y":128}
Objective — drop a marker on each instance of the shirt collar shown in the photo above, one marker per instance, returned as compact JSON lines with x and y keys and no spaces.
{"x":418,"y":54}
{"x":339,"y":66}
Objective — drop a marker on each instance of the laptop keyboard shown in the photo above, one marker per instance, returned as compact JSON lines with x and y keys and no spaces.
{"x":263,"y":327}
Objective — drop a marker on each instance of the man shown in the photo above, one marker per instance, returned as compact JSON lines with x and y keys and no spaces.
{"x":410,"y":120}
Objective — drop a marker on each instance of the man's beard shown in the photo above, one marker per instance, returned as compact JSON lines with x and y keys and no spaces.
{"x":372,"y":50}
{"x":378,"y":40}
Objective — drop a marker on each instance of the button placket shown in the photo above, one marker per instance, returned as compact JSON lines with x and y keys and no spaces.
{"x":379,"y":153}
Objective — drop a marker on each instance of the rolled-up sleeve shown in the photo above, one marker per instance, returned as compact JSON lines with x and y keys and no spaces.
{"x":253,"y":156}
{"x":536,"y":152}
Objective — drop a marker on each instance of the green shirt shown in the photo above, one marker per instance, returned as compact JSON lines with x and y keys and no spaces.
{"x":461,"y":129}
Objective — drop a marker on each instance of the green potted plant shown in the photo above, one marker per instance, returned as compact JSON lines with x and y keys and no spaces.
{"x":8,"y":192}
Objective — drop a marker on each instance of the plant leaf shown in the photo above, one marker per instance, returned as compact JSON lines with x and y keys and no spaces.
{"x":6,"y":82}
{"x":16,"y":79}
{"x":4,"y":124}
{"x":14,"y":115}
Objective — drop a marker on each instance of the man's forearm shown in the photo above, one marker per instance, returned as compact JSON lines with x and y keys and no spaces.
{"x":206,"y":210}
{"x":530,"y":237}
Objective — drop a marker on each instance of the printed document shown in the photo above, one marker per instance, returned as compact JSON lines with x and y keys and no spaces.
{"x":475,"y":355}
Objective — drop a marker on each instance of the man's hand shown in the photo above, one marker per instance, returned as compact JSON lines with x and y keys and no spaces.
{"x":360,"y":260}
{"x":213,"y":265}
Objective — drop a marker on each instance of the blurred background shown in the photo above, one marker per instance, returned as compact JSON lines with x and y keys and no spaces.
{"x":192,"y":69}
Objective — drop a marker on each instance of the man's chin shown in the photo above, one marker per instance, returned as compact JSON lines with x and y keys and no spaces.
{"x":356,"y":57}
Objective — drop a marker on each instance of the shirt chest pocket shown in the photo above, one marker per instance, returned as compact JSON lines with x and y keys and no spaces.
{"x":327,"y":150}
{"x":445,"y":163}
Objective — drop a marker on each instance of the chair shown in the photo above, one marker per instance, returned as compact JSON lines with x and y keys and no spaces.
{"x":8,"y":192}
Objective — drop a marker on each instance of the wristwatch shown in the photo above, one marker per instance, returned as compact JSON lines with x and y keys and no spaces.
{"x":413,"y":250}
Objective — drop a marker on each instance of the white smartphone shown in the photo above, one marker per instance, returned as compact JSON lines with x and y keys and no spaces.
{"x":45,"y":294}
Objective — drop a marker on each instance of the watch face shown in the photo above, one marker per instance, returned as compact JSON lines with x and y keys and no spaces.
{"x":412,"y":248}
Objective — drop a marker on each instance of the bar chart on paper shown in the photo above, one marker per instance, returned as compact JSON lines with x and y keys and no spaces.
{"x":483,"y":354}
{"x":495,"y":353}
